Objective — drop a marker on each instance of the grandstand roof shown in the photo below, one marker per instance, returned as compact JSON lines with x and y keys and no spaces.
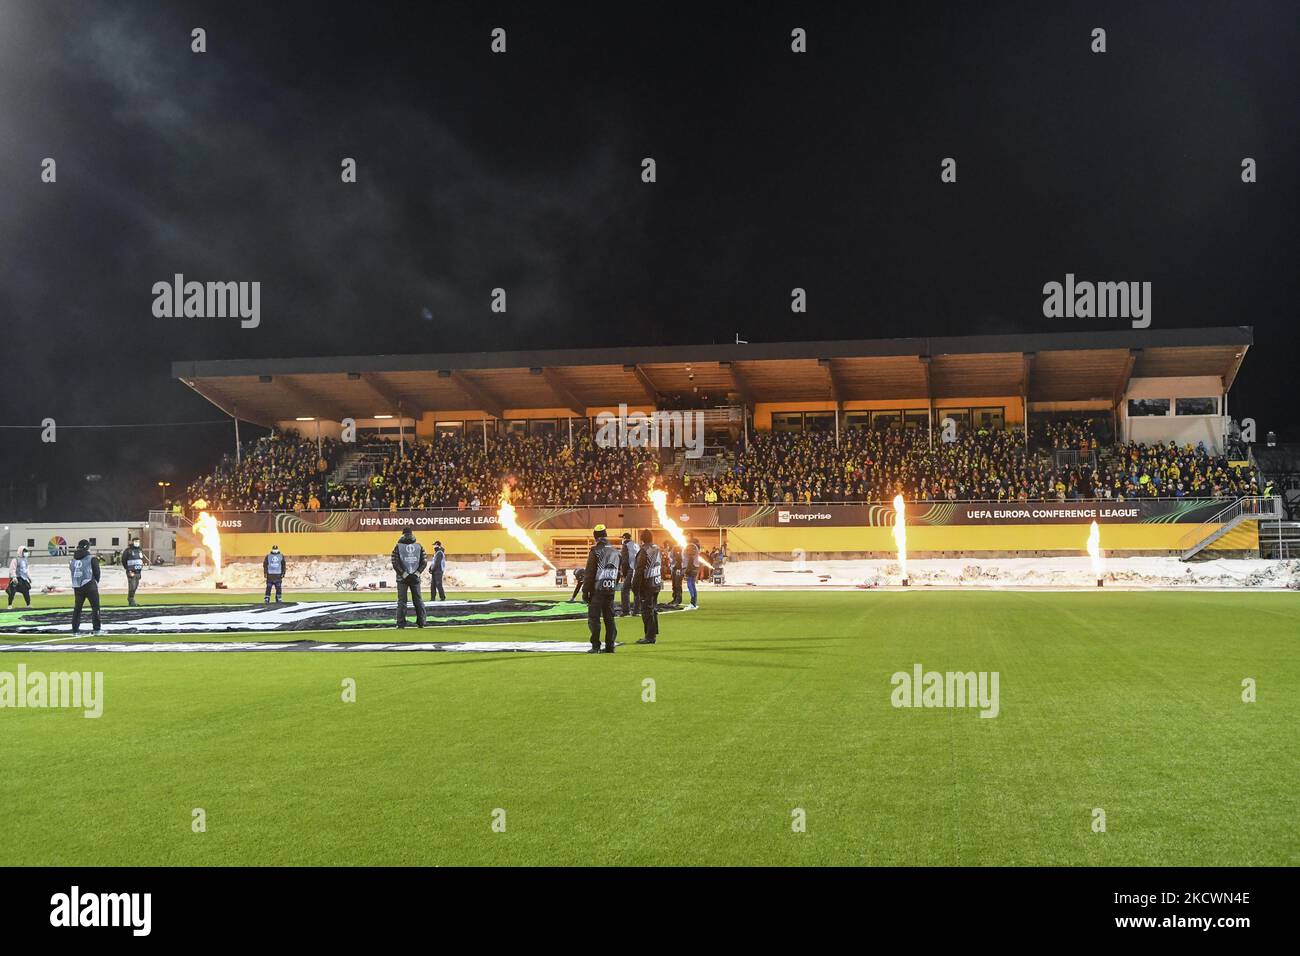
{"x":1048,"y":367}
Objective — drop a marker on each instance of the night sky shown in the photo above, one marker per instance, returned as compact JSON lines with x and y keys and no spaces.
{"x":522,"y":170}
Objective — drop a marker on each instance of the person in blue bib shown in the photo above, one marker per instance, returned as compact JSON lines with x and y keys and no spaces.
{"x":84,"y":568}
{"x":626,"y":570}
{"x":274,"y":567}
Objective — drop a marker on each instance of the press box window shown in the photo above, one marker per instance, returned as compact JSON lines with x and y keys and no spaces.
{"x":991,"y":419}
{"x":819,"y":421}
{"x":857,"y":420}
{"x":1146,"y":407}
{"x":959,"y":415}
{"x":886,"y":419}
{"x":448,"y":429}
{"x":1196,"y":406}
{"x":787,"y":421}
{"x":917,"y":418}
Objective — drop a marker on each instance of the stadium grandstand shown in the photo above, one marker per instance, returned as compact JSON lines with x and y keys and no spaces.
{"x":827,"y":429}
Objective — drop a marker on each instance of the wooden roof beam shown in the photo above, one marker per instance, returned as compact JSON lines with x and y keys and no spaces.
{"x":317,"y":405}
{"x":389,"y":398}
{"x":483,"y":399}
{"x":1122,"y":385}
{"x":652,"y":391}
{"x":565,"y":393}
{"x":739,"y":384}
{"x":833,"y":379}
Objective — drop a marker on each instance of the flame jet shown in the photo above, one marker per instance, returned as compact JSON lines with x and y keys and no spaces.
{"x":509,"y":519}
{"x":900,"y":534}
{"x":659,"y":498}
{"x":1094,"y":552}
{"x":206,"y":526}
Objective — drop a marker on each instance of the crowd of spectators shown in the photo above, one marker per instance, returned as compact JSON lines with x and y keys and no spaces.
{"x":281,"y":472}
{"x":454,"y":471}
{"x":285,"y":472}
{"x":985,"y":465}
{"x":1076,"y":434}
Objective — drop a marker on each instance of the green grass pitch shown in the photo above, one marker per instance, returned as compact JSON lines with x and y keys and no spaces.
{"x":765,"y":702}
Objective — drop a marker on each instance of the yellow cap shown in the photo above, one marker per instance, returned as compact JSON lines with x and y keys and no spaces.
{"x":599,"y":527}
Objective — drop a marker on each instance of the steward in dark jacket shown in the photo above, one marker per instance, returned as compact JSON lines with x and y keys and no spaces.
{"x":133,"y":564}
{"x":437,"y":568}
{"x":408,"y":563}
{"x":647,"y":582}
{"x":598,"y":583}
{"x":274,"y":567}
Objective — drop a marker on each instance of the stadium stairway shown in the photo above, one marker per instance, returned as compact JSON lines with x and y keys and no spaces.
{"x":1244,"y":509}
{"x":709,"y":465}
{"x":356,"y":465}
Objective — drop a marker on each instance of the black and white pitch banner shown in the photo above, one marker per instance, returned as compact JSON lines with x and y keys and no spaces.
{"x":292,"y":616}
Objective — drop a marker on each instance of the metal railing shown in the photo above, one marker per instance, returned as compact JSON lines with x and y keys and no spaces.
{"x":168,"y":519}
{"x":1073,"y":458}
{"x":1279,"y":539}
{"x":1255,"y":507}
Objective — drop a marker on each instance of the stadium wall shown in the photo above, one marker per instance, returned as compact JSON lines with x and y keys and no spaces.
{"x":755,"y":541}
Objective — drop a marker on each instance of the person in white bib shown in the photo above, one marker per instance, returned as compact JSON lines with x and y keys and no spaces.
{"x":20,"y":579}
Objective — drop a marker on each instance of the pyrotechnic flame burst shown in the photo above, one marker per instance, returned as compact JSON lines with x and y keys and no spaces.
{"x":900,"y":532}
{"x":1094,"y":552}
{"x":659,"y":498}
{"x":206,"y":526}
{"x":509,"y":519}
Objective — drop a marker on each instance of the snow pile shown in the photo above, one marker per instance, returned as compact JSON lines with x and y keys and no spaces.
{"x":310,"y":574}
{"x":181,"y":577}
{"x":1072,"y":572}
{"x":361,"y":574}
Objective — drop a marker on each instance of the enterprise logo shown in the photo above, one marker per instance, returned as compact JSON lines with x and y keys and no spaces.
{"x":786,"y":517}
